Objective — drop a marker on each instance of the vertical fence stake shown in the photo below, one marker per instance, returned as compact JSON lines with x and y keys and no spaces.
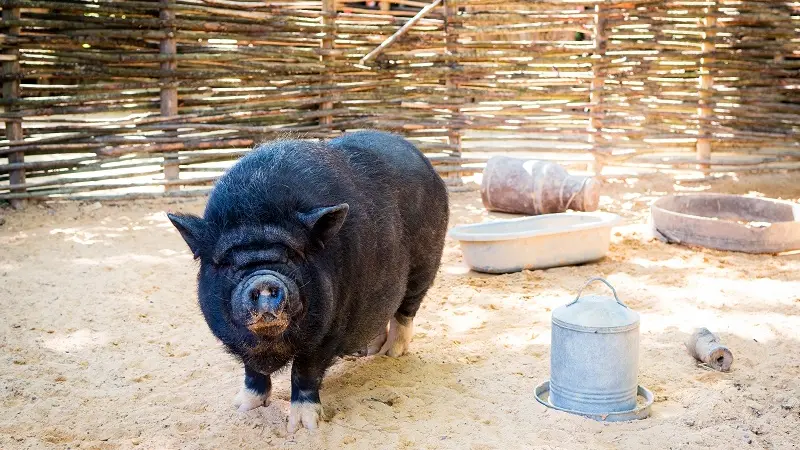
{"x":451,"y":43}
{"x":11,"y":91}
{"x":329,"y":22}
{"x":704,"y":111}
{"x":169,"y":91}
{"x":595,"y":94}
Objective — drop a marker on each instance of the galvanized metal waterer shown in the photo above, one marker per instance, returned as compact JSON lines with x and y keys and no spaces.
{"x":594,"y":360}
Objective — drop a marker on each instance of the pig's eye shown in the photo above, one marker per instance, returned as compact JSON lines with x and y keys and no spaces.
{"x":222,"y":266}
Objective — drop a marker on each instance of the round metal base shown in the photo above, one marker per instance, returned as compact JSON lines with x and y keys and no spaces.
{"x":622,"y":416}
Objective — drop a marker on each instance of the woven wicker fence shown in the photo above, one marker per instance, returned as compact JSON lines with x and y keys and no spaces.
{"x":149,"y":98}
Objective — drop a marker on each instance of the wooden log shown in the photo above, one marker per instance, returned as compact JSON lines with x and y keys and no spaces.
{"x":705,"y":346}
{"x":11,"y":91}
{"x":169,"y":93}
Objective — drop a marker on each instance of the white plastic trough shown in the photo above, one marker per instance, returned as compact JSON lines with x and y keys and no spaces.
{"x":538,"y":242}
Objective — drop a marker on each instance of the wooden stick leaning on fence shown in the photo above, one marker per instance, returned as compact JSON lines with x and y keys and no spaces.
{"x":399,"y":33}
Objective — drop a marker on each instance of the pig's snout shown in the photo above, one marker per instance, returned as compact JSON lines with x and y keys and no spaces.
{"x":261,"y":300}
{"x":267,"y":296}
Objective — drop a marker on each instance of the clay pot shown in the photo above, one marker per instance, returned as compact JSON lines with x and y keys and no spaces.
{"x":535,"y":187}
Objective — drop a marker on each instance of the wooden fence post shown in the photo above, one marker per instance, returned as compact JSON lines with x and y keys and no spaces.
{"x":704,"y":111}
{"x":451,"y":44}
{"x":596,"y":91}
{"x":329,"y":21}
{"x":11,"y":91}
{"x":169,"y":91}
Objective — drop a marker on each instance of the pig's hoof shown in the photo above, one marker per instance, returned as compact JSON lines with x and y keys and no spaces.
{"x":246,"y":400}
{"x":398,"y":338}
{"x":376,"y":344}
{"x":304,"y":414}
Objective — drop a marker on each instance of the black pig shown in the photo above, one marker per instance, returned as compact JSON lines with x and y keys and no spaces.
{"x":309,"y":251}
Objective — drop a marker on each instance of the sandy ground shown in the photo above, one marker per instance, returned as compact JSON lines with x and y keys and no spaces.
{"x":103,"y":346}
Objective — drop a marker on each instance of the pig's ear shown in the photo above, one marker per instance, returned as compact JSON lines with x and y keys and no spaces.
{"x":325,"y":222}
{"x":192,"y":228}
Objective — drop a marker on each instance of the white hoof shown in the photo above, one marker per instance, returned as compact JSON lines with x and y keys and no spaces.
{"x":304,"y":415}
{"x":377,"y":343}
{"x":398,"y":338}
{"x":246,"y":400}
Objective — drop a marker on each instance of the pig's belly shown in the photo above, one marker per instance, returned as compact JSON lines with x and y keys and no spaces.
{"x":371,"y":319}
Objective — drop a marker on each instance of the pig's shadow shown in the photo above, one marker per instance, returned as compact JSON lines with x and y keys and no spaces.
{"x":383,"y":385}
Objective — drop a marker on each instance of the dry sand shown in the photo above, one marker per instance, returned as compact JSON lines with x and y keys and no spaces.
{"x":103,"y":345}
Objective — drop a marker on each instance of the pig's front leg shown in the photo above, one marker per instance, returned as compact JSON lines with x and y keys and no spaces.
{"x":255,"y":391}
{"x":306,"y":409}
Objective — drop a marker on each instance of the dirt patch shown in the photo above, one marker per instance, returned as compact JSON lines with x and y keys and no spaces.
{"x":103,"y":345}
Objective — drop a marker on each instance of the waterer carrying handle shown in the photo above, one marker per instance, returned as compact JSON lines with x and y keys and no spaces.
{"x":591,"y":280}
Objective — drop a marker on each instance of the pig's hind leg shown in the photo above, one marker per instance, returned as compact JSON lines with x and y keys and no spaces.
{"x":255,"y":391}
{"x":376,"y":343}
{"x":401,"y":326}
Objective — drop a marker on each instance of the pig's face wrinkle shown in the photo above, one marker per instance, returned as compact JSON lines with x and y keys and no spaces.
{"x":256,"y":238}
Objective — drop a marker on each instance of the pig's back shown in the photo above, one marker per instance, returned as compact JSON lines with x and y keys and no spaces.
{"x":381,"y":175}
{"x":407,"y":178}
{"x":401,"y":185}
{"x":400,"y":156}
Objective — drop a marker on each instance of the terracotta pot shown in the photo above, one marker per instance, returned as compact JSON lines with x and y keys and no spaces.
{"x":535,"y":187}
